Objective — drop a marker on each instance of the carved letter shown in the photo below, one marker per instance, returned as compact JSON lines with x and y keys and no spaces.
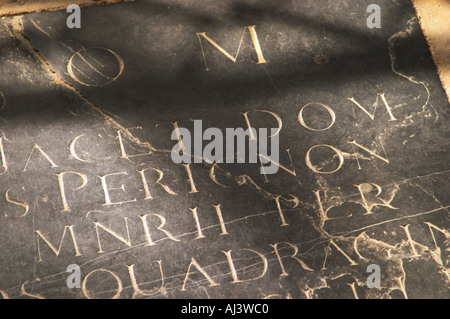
{"x":411,"y":242}
{"x":197,"y":223}
{"x":86,"y":292}
{"x":109,"y":230}
{"x":293,"y":256}
{"x":160,"y":227}
{"x":4,"y":294}
{"x":202,"y":271}
{"x":229,"y":56}
{"x":74,"y":153}
{"x":66,"y":207}
{"x":372,"y":116}
{"x":322,"y":212}
{"x":445,"y":232}
{"x":280,"y":212}
{"x":352,"y":262}
{"x":3,"y":157}
{"x":43,"y":153}
{"x":191,"y":180}
{"x":352,"y":286}
{"x":329,"y":110}
{"x":222,"y":224}
{"x":144,"y":182}
{"x":106,"y":190}
{"x":233,"y":269}
{"x":29,"y":294}
{"x":364,"y":190}
{"x":139,"y":291}
{"x":124,"y":153}
{"x":15,"y":202}
{"x":315,"y":168}
{"x":276,"y":116}
{"x":57,"y":251}
{"x":368,"y":151}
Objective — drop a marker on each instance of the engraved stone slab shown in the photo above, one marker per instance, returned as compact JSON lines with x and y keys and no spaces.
{"x":87,"y":176}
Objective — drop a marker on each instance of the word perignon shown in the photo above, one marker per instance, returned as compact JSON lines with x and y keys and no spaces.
{"x":213,"y":152}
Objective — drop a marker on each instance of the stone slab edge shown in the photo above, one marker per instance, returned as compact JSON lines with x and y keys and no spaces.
{"x":13,"y":7}
{"x":434,"y":18}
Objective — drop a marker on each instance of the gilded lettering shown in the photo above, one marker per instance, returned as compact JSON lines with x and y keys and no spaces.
{"x":66,"y":207}
{"x":3,"y":157}
{"x":326,"y":107}
{"x":106,"y":190}
{"x":255,"y":40}
{"x":139,"y":291}
{"x":24,"y":292}
{"x":197,"y":223}
{"x":233,"y":268}
{"x":317,"y":169}
{"x":293,"y":256}
{"x":145,"y":183}
{"x":88,"y":294}
{"x":113,"y":233}
{"x":191,"y":179}
{"x":25,"y":206}
{"x":37,"y":147}
{"x":150,"y":242}
{"x":372,"y":116}
{"x":52,"y":247}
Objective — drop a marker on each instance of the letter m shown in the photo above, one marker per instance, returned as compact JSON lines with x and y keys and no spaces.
{"x":52,"y":247}
{"x":372,"y":115}
{"x":228,"y":55}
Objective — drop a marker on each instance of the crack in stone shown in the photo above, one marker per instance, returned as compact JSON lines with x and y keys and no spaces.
{"x":17,"y":32}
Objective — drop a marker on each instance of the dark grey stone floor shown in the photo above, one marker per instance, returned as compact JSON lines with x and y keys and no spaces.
{"x":86,"y":117}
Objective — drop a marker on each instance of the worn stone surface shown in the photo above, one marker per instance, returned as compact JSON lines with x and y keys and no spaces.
{"x":364,"y":171}
{"x":14,"y":7}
